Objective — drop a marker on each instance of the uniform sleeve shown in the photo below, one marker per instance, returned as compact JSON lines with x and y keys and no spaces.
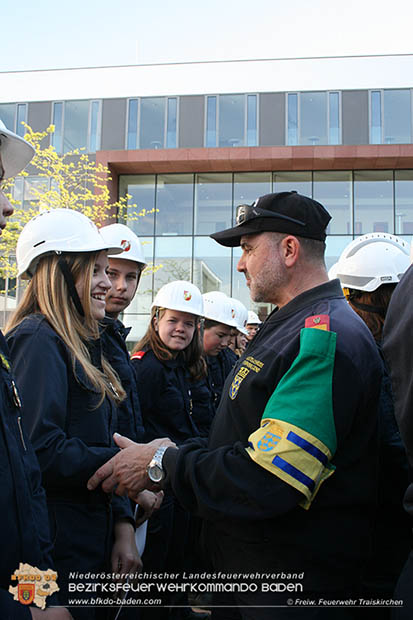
{"x":225,"y":483}
{"x":147,"y":376}
{"x":282,"y":463}
{"x":40,"y":368}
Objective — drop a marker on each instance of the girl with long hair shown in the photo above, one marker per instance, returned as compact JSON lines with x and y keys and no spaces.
{"x":70,"y":393}
{"x":166,"y":360}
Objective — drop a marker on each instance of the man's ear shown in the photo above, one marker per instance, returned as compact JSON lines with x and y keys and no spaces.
{"x":290,"y":249}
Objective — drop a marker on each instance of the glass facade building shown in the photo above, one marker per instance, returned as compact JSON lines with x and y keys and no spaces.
{"x":189,"y":153}
{"x":174,"y":214}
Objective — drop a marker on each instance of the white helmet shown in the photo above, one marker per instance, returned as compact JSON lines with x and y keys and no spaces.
{"x":241,"y":315}
{"x":218,"y":307}
{"x":180,"y":295}
{"x":119,"y":234}
{"x":253,"y":318}
{"x":15,"y":152}
{"x":57,"y":231}
{"x":372,"y":260}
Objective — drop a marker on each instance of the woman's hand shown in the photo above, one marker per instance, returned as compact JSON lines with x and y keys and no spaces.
{"x":148,"y":502}
{"x":125,"y":557}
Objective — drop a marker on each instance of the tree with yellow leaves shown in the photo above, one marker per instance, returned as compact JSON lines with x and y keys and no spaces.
{"x":72,"y":180}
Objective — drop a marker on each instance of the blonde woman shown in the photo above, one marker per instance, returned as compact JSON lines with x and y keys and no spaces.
{"x":69,"y":391}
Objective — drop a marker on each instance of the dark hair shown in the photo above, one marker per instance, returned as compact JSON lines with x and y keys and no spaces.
{"x":208,"y":323}
{"x":379,"y":300}
{"x":313,"y":249}
{"x":192,"y":355}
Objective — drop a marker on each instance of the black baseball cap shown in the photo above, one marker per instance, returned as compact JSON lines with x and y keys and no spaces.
{"x":283,"y":212}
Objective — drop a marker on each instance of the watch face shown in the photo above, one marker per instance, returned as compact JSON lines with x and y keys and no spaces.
{"x":155,"y":473}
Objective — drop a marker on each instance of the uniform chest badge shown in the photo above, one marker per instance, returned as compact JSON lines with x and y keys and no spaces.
{"x":318,"y":321}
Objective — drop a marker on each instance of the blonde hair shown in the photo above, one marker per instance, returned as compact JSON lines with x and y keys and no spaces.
{"x":47,"y":293}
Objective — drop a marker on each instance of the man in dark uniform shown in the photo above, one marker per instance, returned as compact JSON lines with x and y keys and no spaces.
{"x":287,"y":482}
{"x":24,"y":526}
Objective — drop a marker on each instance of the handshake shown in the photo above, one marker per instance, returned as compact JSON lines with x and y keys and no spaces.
{"x":126,"y":472}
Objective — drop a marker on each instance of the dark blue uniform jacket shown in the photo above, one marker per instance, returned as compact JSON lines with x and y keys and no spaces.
{"x":24,"y":526}
{"x":165,"y":397}
{"x":219,"y":367}
{"x":113,"y":338}
{"x":72,"y":436}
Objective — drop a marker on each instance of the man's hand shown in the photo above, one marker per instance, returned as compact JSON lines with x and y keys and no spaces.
{"x":126,"y":471}
{"x":51,"y":613}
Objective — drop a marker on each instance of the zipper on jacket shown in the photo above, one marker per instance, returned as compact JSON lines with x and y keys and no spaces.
{"x":19,"y":422}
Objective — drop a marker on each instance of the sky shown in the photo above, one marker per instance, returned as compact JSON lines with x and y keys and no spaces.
{"x":90,"y":33}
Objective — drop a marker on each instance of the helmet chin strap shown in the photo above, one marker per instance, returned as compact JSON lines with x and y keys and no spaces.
{"x":67,"y":274}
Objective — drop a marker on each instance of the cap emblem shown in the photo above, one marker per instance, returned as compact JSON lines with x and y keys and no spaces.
{"x":125,"y":245}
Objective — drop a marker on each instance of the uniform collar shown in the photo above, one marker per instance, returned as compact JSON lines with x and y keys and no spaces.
{"x":328,"y":290}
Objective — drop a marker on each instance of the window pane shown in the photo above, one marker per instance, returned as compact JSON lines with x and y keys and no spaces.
{"x":252,"y":120}
{"x":231,"y":120}
{"x":142,"y":191}
{"x":213,"y":202}
{"x":142,"y":301}
{"x":94,"y":133}
{"x":289,"y":181}
{"x":132,"y":123}
{"x":313,"y":118}
{"x":397,"y":116}
{"x":173,"y":256}
{"x":152,"y":123}
{"x":334,"y":119}
{"x":334,"y":248}
{"x":171,"y":128}
{"x":212,"y":266}
{"x":21,"y":118}
{"x":292,"y":104}
{"x":404,"y":201}
{"x":57,"y":122}
{"x":333,"y":190}
{"x":211,"y":122}
{"x":174,"y":204}
{"x":7,"y":112}
{"x":248,"y":186}
{"x":75,"y":125}
{"x":375,"y":117}
{"x":373,"y":202}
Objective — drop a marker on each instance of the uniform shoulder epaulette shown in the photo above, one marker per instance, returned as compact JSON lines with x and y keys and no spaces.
{"x":318,"y":321}
{"x":138,"y":355}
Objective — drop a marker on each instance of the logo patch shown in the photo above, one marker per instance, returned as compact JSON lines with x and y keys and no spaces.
{"x":268,"y":442}
{"x":187,"y":295}
{"x":233,"y":390}
{"x":125,"y":245}
{"x":318,"y":321}
{"x":25,"y":593}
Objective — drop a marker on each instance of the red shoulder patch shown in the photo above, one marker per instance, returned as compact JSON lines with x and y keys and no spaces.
{"x":138,"y":355}
{"x":318,"y":321}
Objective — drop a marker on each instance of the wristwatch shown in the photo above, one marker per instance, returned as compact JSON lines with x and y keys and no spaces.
{"x":155,"y":471}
